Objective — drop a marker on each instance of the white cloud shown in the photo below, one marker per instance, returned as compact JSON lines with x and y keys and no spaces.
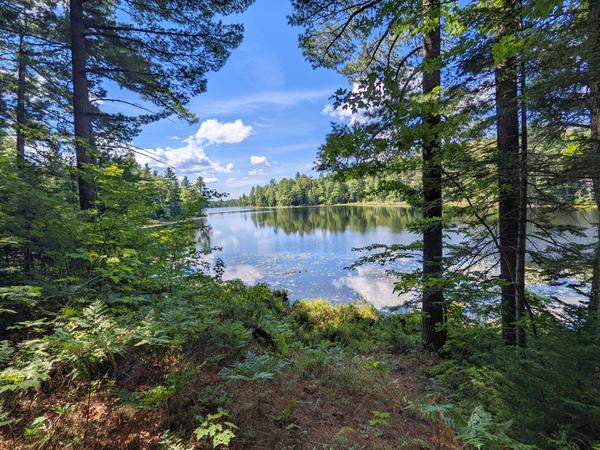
{"x":260,"y":161}
{"x":256,"y":172}
{"x":344,"y":112}
{"x":184,"y":160}
{"x":210,"y":180}
{"x":190,"y":157}
{"x":215,"y":132}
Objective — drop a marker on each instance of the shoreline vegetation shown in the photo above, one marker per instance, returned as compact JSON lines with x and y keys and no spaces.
{"x":305,"y":191}
{"x":387,"y":204}
{"x":264,"y":373}
{"x":118,"y":328}
{"x":309,"y":374}
{"x":581,"y":205}
{"x":110,"y":336}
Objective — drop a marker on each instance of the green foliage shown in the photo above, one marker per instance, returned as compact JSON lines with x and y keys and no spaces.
{"x":303,"y":190}
{"x":114,"y":297}
{"x":170,"y":441}
{"x":316,"y":361}
{"x":379,"y":418}
{"x":288,"y":412}
{"x":345,"y":323}
{"x":542,"y":392}
{"x":21,"y":295}
{"x":321,"y":313}
{"x":481,"y":432}
{"x":89,"y":338}
{"x":378,"y":366}
{"x":254,"y":368}
{"x":37,"y":432}
{"x":6,"y":353}
{"x":30,"y":368}
{"x":217,"y":429}
{"x":154,"y":396}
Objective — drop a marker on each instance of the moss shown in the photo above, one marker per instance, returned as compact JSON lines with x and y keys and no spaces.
{"x":321,"y":313}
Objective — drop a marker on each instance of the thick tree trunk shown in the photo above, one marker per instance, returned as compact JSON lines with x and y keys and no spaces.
{"x":21,"y":124}
{"x":434,"y":311}
{"x":523,"y":198}
{"x":594,"y":163}
{"x":21,"y":92}
{"x":507,"y":130}
{"x":81,"y":117}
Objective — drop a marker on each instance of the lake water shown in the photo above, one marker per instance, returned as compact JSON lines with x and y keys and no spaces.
{"x":307,"y":250}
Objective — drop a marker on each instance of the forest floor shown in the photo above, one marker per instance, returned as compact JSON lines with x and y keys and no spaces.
{"x":349,"y":406}
{"x":219,"y":365}
{"x":336,"y":411}
{"x":213,"y":364}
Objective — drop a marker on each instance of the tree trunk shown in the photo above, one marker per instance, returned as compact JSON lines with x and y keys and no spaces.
{"x":594,"y":163}
{"x":522,"y":238}
{"x":20,"y":127}
{"x":434,"y":310}
{"x":81,"y":117}
{"x":20,"y":109}
{"x":507,"y":130}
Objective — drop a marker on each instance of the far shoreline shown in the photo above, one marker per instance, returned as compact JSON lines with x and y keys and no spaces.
{"x":463,"y":204}
{"x":382,"y":204}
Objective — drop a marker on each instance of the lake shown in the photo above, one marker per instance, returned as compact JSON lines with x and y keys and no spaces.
{"x":307,"y":250}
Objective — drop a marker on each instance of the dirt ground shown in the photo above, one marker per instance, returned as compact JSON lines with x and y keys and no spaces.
{"x":329,"y":410}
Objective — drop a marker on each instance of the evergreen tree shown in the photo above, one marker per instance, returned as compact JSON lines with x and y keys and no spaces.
{"x":507,"y":130}
{"x":34,"y":98}
{"x":365,"y":41}
{"x":172,"y":194}
{"x":159,"y":50}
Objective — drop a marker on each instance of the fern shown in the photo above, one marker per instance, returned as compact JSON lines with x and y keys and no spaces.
{"x":481,"y":432}
{"x":254,"y":368}
{"x":13,"y":295}
{"x":170,"y":441}
{"x":31,"y":368}
{"x":6,"y":353}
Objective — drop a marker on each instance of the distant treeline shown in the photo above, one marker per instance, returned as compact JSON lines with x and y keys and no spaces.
{"x":305,"y":190}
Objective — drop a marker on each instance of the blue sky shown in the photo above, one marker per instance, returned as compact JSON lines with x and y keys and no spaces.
{"x":262,"y":116}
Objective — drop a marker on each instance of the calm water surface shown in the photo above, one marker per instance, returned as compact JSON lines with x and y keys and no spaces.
{"x":307,"y":250}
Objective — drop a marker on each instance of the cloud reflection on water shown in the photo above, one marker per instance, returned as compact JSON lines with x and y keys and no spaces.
{"x":373,"y":286}
{"x":245,"y":272}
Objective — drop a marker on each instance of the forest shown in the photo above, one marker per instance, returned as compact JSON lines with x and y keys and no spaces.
{"x":303,"y":190}
{"x":118,"y":328}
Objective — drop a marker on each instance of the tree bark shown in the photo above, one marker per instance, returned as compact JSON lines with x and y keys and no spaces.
{"x":594,"y":162}
{"x":507,"y":132}
{"x":523,"y":198}
{"x":434,"y":308}
{"x":81,"y":117}
{"x":20,"y":109}
{"x":20,"y":126}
